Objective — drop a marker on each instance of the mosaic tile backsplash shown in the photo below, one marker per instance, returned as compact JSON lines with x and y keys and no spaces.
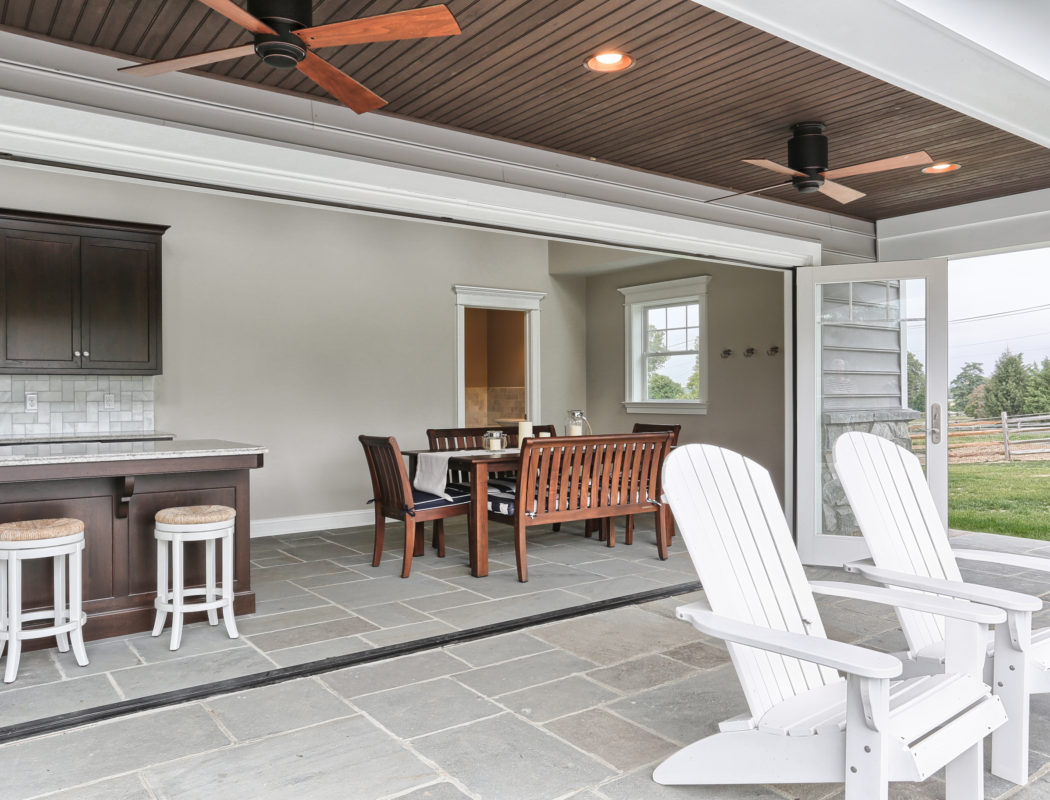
{"x":74,"y":404}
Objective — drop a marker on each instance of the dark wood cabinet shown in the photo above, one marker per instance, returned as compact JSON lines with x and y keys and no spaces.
{"x":79,"y":296}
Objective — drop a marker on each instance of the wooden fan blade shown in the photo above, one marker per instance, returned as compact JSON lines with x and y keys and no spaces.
{"x":773,"y":165}
{"x":910,"y":160}
{"x":415,"y":24}
{"x":188,"y":62}
{"x":836,"y":191}
{"x":340,"y":85}
{"x":235,"y":13}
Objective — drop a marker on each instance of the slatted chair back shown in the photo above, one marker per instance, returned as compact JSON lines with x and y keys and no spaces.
{"x":657,"y":427}
{"x":442,"y":439}
{"x":891,"y":501}
{"x":575,"y":477}
{"x":733,"y":526}
{"x":386,"y":467}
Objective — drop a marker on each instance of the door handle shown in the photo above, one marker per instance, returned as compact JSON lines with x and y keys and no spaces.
{"x":935,"y":423}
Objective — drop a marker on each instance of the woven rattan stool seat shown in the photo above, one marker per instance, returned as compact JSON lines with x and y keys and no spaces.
{"x":31,"y":530}
{"x":194,"y":515}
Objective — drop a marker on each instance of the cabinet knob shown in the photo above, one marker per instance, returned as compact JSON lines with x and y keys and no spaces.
{"x":86,"y":353}
{"x":76,"y":353}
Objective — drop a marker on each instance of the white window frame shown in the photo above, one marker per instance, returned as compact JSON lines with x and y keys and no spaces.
{"x":637,"y":300}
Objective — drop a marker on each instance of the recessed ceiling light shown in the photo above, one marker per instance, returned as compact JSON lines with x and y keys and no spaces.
{"x":609,"y":61}
{"x":941,"y":167}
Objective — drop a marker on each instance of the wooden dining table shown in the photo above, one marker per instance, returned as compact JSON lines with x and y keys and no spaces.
{"x":478,"y":466}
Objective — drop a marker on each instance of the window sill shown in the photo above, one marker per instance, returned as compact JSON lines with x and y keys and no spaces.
{"x":664,"y":407}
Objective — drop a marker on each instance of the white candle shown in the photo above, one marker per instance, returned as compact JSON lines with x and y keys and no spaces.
{"x":524,"y":429}
{"x":576,"y":429}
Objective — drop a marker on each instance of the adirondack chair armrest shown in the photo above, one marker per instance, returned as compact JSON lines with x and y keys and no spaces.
{"x":988,"y":595}
{"x":1009,"y":559}
{"x":838,"y":655}
{"x":933,"y":604}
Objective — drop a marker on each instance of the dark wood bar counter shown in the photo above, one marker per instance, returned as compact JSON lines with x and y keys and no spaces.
{"x":116,"y":488}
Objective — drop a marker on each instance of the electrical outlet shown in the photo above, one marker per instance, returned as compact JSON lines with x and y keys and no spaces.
{"x":31,"y":401}
{"x":109,"y":402}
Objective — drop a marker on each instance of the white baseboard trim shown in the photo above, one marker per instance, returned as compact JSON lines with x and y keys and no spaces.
{"x":277,"y":526}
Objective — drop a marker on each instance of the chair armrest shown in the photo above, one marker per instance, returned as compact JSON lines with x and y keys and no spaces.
{"x":989,"y":595}
{"x":1009,"y":559}
{"x":838,"y":655}
{"x":945,"y":606}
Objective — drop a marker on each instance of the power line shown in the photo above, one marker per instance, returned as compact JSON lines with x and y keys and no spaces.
{"x":997,"y":314}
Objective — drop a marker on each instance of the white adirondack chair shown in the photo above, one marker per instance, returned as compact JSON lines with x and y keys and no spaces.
{"x":893,"y":506}
{"x":806,"y":723}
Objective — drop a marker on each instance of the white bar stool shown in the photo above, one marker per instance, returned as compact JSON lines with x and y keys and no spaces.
{"x":41,"y":538}
{"x":176,"y":526}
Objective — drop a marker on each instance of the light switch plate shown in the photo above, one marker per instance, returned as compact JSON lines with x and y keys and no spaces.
{"x":31,"y":401}
{"x":109,"y":402}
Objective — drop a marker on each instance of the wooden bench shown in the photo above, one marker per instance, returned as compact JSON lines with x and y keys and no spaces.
{"x":568,"y":478}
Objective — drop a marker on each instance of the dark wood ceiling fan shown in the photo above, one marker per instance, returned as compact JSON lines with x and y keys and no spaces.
{"x":808,"y":164}
{"x":285,"y":38}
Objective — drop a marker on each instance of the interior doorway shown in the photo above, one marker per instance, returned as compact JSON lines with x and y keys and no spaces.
{"x":495,"y":377}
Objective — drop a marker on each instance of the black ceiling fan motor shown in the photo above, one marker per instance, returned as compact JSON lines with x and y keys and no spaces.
{"x":283,"y":50}
{"x":808,"y":153}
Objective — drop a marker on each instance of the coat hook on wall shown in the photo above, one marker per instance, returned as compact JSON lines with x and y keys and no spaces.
{"x":749,"y":352}
{"x":727,"y":353}
{"x":772,"y":351}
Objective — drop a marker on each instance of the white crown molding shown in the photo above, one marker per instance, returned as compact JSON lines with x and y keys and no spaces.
{"x":58,"y":77}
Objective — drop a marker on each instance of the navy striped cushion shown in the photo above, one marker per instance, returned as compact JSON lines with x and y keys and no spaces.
{"x":459,"y":493}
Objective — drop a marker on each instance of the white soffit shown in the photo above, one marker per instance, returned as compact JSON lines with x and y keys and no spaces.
{"x":889,"y":41}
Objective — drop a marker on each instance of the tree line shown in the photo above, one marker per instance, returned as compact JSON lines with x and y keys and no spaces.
{"x":1013,"y":387}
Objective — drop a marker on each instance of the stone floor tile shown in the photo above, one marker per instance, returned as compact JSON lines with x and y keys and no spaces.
{"x":181,"y":673}
{"x":422,"y":708}
{"x":273,"y":590}
{"x":436,"y":602}
{"x":278,"y":708}
{"x":504,"y":758}
{"x":391,"y":615}
{"x":126,"y":787}
{"x":383,"y":590}
{"x":109,"y":748}
{"x":318,"y":611}
{"x":700,"y":655}
{"x":103,"y":655}
{"x":614,"y":587}
{"x":36,"y":667}
{"x":493,"y":649}
{"x":542,"y":578}
{"x":611,"y":738}
{"x":640,"y":784}
{"x":316,"y":551}
{"x":347,"y":758}
{"x":345,"y":575}
{"x":290,"y":572}
{"x":403,"y":671}
{"x":436,"y":791}
{"x":408,"y":633}
{"x":556,"y":699}
{"x":277,"y":559}
{"x":309,"y":634}
{"x":642,"y":673}
{"x":317,"y":651}
{"x":617,"y":635}
{"x":48,"y":700}
{"x":197,"y":639}
{"x":476,"y":615}
{"x":282,"y":605}
{"x":688,"y":709}
{"x":510,"y":676}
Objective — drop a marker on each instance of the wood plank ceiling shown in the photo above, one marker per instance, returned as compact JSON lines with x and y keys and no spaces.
{"x":706,"y":91}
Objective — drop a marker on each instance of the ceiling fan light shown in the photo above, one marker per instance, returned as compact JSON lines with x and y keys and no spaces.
{"x":609,"y":61}
{"x":941,"y":167}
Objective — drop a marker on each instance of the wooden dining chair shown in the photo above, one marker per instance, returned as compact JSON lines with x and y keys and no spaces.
{"x":442,"y":439}
{"x":628,"y":533}
{"x":395,"y":497}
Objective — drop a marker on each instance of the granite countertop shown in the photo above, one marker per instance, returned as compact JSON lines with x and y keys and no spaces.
{"x":91,"y":451}
{"x":117,"y":436}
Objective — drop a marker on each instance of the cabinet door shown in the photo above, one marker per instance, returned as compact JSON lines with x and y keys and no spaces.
{"x":40,"y":305}
{"x":120,"y":284}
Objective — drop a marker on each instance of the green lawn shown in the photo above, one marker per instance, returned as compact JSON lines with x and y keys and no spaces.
{"x":1005,"y":498}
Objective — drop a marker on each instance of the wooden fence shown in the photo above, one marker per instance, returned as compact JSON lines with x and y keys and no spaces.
{"x":992,"y":439}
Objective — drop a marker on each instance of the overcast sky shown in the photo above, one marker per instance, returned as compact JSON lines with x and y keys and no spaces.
{"x":1015,"y":286}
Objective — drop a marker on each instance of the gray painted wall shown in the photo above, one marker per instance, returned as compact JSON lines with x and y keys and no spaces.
{"x":299,"y":328}
{"x":746,"y":405}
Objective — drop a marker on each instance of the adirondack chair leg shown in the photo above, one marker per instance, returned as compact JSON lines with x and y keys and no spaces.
{"x":628,"y":530}
{"x":439,"y":537}
{"x":410,"y":545}
{"x":377,"y":548}
{"x":964,"y":775}
{"x":1011,"y":681}
{"x":867,"y":772}
{"x":519,"y":553}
